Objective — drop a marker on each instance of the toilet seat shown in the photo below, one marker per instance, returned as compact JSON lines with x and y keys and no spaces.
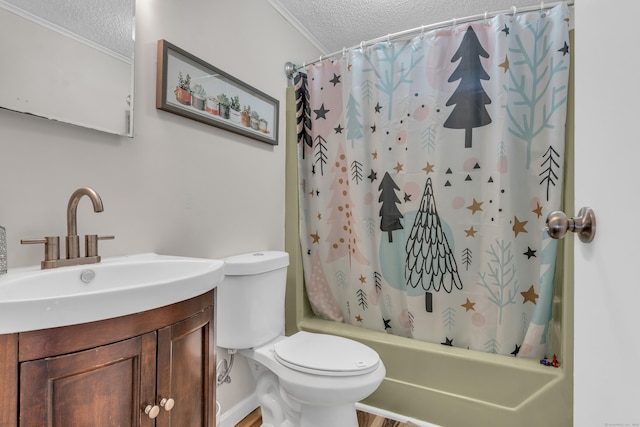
{"x":326,"y":355}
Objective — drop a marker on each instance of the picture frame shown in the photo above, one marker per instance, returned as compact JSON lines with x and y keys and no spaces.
{"x":192,"y":88}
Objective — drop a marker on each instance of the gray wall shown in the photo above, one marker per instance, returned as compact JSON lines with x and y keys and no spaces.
{"x":178,"y":187}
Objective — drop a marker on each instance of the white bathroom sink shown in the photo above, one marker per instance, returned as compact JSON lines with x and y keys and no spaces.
{"x":31,"y":298}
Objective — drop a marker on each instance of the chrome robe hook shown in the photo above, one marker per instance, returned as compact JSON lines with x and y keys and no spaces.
{"x":584,"y":224}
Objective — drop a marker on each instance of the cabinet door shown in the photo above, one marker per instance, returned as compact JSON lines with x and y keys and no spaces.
{"x":186,"y":370}
{"x":106,"y":386}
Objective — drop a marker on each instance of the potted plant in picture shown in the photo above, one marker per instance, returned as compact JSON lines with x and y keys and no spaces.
{"x":255,"y":120}
{"x":198,"y":96}
{"x":212,"y":105}
{"x":245,"y":116}
{"x":183,"y":90}
{"x":263,"y":126}
{"x":235,"y":109}
{"x":224,"y":104}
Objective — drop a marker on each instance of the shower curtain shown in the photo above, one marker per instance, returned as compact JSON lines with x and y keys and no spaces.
{"x":427,"y":168}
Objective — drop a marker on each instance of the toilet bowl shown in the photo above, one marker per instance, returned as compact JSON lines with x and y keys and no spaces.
{"x":322,"y":375}
{"x":305,"y":380}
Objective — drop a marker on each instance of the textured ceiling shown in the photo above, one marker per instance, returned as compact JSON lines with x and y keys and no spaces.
{"x":108,"y":23}
{"x":334,"y":24}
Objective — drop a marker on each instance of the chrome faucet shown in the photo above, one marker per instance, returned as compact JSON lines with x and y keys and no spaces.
{"x":52,"y":243}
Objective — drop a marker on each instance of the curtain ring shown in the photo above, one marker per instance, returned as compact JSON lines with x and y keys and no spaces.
{"x":486,"y":14}
{"x":388,"y":38}
{"x":320,"y":60}
{"x":514,"y":11}
{"x":344,"y":52}
{"x":542,"y":6}
{"x":421,"y":32}
{"x":454,"y":21}
{"x":362,"y":45}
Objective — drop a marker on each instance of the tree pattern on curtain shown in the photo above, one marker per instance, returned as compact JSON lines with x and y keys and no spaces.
{"x":427,"y":169}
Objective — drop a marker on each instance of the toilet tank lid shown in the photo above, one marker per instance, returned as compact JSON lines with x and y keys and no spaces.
{"x":255,"y":263}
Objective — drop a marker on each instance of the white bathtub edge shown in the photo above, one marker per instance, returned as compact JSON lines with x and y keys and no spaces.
{"x":391,"y":415}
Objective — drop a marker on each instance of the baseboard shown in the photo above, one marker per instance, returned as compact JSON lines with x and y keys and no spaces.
{"x":391,"y":415}
{"x":232,"y":416}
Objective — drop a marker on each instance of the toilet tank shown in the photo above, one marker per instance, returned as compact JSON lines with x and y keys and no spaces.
{"x":250,"y":299}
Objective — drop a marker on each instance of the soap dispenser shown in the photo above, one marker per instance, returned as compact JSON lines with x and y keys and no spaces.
{"x":3,"y":250}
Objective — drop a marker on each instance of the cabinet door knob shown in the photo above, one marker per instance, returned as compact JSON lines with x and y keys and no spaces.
{"x":152,"y":411}
{"x":167,"y":404}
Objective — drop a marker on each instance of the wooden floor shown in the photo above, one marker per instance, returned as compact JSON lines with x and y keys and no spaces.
{"x":254,"y":419}
{"x":364,"y":420}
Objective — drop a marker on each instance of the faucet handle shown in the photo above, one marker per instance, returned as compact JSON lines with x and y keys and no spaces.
{"x":51,"y":246}
{"x":91,"y":244}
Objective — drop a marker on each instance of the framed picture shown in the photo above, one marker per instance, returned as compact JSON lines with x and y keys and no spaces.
{"x":192,"y":88}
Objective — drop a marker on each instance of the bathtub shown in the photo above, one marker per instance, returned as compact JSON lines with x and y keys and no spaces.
{"x":443,"y":385}
{"x":454,"y":387}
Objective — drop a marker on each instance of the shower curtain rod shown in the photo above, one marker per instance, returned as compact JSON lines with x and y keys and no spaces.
{"x":290,"y":68}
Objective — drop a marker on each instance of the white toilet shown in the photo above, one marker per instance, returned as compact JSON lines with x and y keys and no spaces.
{"x":305,"y":380}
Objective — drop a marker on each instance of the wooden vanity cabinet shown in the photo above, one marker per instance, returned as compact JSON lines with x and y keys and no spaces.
{"x":108,"y":373}
{"x":186,"y":372}
{"x":95,"y":387}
